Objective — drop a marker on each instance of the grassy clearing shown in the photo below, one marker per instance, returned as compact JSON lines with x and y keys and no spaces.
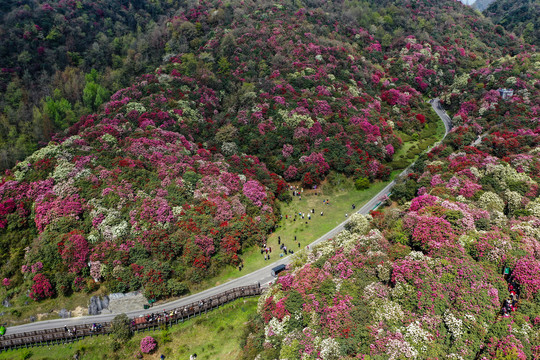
{"x":215,"y":335}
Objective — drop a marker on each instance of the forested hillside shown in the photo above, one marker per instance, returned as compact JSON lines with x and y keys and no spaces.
{"x":177,"y":173}
{"x":521,"y":17}
{"x":62,"y":59}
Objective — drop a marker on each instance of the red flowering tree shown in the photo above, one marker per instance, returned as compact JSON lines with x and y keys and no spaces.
{"x":74,"y":251}
{"x":42,"y":288}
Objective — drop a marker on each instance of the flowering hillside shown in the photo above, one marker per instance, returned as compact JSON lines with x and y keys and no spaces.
{"x":424,"y":278}
{"x":175,"y":175}
{"x":141,"y":205}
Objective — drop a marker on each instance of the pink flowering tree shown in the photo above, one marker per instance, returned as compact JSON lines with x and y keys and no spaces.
{"x":206,"y":244}
{"x":291,"y":173}
{"x":433,"y":233}
{"x":254,"y":191}
{"x":526,"y":273}
{"x":148,"y":344}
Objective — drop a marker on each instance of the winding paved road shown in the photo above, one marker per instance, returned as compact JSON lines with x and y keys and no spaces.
{"x":262,"y":275}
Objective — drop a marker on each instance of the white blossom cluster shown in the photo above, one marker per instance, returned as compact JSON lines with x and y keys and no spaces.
{"x":276,"y":327}
{"x":534,"y":207}
{"x":384,"y":271}
{"x":466,"y":239}
{"x":375,"y":289}
{"x":330,"y":349}
{"x":387,"y":310}
{"x":189,"y":113}
{"x":418,"y":336}
{"x":527,"y":228}
{"x":501,"y":248}
{"x":401,"y":290}
{"x":294,"y":119}
{"x":524,"y":330}
{"x":491,"y":202}
{"x":358,"y":224}
{"x":62,"y":170}
{"x":135,"y":106}
{"x":506,"y":174}
{"x":113,"y":226}
{"x":398,"y":349}
{"x":109,"y":139}
{"x":498,"y":219}
{"x":513,"y":198}
{"x":454,"y":325}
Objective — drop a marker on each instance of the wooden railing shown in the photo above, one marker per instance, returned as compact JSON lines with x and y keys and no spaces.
{"x":150,"y":321}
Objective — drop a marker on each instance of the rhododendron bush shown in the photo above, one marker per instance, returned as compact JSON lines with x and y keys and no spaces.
{"x":148,"y":344}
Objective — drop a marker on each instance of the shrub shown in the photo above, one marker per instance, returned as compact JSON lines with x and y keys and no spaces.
{"x":148,"y":344}
{"x":176,"y":288}
{"x":121,"y":328}
{"x":361,"y":183}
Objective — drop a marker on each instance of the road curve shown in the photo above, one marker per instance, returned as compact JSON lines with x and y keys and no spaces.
{"x":262,"y":275}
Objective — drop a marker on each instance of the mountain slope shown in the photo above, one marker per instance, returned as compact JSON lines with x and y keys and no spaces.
{"x":425,"y":278}
{"x":179,"y":172}
{"x":48,"y":47}
{"x":521,"y":17}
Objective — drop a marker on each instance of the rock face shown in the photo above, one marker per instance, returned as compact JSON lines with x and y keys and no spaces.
{"x":97,"y":305}
{"x":6,"y":303}
{"x":64,"y":314}
{"x":120,"y":303}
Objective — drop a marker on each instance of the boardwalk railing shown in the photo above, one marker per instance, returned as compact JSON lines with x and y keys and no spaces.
{"x":150,"y":321}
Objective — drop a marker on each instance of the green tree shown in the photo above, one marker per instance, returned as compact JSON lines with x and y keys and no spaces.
{"x":93,"y":94}
{"x":223,"y":66}
{"x":59,"y":110}
{"x":121,"y":328}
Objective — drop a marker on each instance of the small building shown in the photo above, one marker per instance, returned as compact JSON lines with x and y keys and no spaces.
{"x":506,"y":93}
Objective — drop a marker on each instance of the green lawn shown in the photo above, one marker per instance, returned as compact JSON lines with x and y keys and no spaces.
{"x":215,"y":335}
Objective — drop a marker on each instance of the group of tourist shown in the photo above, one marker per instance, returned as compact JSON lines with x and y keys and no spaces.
{"x":70,"y":331}
{"x":510,"y":304}
{"x":158,"y":317}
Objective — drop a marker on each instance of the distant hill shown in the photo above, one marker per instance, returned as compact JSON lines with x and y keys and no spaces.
{"x":521,"y":17}
{"x":482,"y":4}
